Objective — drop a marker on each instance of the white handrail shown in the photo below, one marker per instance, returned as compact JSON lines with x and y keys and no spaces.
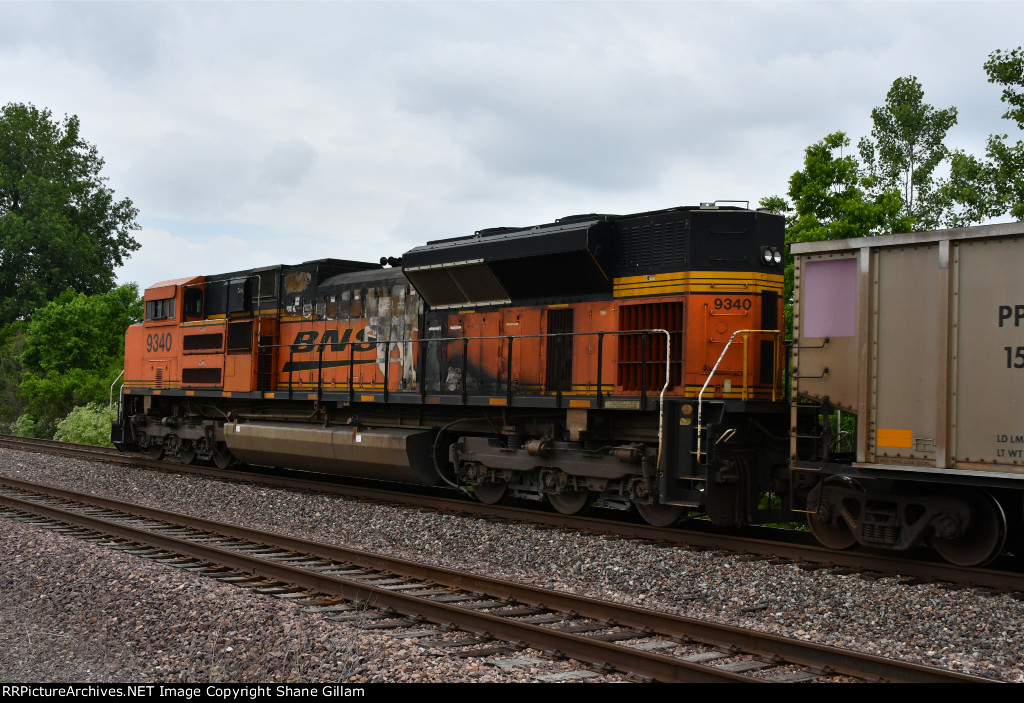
{"x":661,"y":396}
{"x":110,"y":400}
{"x":700,"y":396}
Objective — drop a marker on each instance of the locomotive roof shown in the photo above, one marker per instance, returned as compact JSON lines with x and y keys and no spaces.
{"x":175,"y":282}
{"x":388,"y":276}
{"x":590,"y":217}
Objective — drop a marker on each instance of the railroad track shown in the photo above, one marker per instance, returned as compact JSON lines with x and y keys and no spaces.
{"x":497,"y":617}
{"x":798,"y":547}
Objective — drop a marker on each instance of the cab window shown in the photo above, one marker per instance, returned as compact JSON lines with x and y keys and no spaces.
{"x":160,"y":309}
{"x":193,"y":303}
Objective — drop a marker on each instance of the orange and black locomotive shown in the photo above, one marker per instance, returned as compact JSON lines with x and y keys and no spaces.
{"x":631,"y":362}
{"x":627,"y":361}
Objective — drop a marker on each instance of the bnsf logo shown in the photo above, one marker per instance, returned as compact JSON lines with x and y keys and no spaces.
{"x":305,"y":341}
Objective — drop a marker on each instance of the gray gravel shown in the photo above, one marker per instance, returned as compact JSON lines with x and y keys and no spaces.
{"x":74,"y":611}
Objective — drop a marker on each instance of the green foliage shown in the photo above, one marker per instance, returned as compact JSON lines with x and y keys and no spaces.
{"x":830,"y":197}
{"x":28,"y":426}
{"x":970,"y":191}
{"x":777,"y":205}
{"x":12,"y":346}
{"x":1007,"y":69}
{"x":1006,"y":160}
{"x":60,"y":227}
{"x":74,"y":350}
{"x":905,"y":148}
{"x":992,"y":186}
{"x":86,"y":424}
{"x":831,"y":201}
{"x":894,"y":187}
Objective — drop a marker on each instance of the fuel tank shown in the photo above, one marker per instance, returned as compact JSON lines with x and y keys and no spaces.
{"x":385,"y":454}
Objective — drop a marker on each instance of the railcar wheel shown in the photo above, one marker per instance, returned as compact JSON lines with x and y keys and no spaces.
{"x":490,"y":493}
{"x":985,"y":536}
{"x":570,"y":502}
{"x":831,"y":531}
{"x":827,"y":525}
{"x":660,"y":515}
{"x":154,"y":451}
{"x":187,"y":454}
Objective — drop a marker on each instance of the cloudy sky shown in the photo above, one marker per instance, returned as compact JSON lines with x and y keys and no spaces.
{"x":254,"y":133}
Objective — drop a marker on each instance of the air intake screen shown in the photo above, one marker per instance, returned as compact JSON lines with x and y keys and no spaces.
{"x":457,"y":285}
{"x":206,"y":342}
{"x":200,"y":376}
{"x":642,"y":356}
{"x":550,"y":261}
{"x":240,"y":336}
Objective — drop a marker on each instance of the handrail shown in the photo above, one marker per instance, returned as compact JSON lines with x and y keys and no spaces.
{"x":110,"y":400}
{"x":700,"y":396}
{"x":320,"y":347}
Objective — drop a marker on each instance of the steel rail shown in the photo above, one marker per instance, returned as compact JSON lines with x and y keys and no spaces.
{"x":811,"y":553}
{"x":658,"y":667}
{"x":772,"y":647}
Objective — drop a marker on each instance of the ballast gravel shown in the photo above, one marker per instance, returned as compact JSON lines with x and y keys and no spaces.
{"x":75,"y":611}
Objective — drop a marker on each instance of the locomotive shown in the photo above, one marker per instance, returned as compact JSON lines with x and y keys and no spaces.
{"x":569,"y":362}
{"x":635,"y":362}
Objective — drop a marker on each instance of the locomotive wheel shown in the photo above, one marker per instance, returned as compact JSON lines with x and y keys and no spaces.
{"x":490,"y":493}
{"x":985,"y":536}
{"x":187,"y":455}
{"x":660,"y":515}
{"x":154,"y":451}
{"x":222,"y":457}
{"x":570,"y":502}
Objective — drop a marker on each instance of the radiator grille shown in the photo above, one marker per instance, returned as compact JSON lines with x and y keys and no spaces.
{"x":636,"y":349}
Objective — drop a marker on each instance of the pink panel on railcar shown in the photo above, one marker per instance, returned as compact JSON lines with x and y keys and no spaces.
{"x":830,"y":298}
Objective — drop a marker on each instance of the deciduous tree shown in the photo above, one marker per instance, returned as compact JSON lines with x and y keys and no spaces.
{"x":905,"y":148}
{"x":60,"y":224}
{"x":74,"y":350}
{"x":1007,"y":159}
{"x":830,"y":201}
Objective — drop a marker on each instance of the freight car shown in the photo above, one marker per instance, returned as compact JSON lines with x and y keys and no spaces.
{"x":626,"y":361}
{"x":917,"y":340}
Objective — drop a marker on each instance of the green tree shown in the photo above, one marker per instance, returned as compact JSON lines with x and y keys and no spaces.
{"x":970,"y":191}
{"x":831,"y":201}
{"x":74,"y":351}
{"x":905,"y":148}
{"x":831,"y":197}
{"x":993,"y":185}
{"x":12,"y":346}
{"x":1005,"y":159}
{"x":1007,"y":70}
{"x":60,"y":226}
{"x":896,"y":188}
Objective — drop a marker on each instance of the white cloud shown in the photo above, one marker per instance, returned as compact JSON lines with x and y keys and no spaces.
{"x":255,"y":133}
{"x":164,"y":256}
